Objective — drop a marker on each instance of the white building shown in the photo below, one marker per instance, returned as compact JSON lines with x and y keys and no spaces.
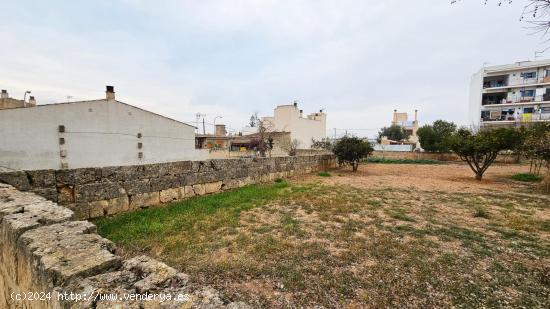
{"x":510,"y":95}
{"x":288,"y":118}
{"x":94,"y":133}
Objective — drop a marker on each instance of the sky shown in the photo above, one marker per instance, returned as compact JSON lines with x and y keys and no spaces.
{"x":357,"y":60}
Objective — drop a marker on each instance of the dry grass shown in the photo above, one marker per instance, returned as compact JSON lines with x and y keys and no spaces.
{"x":388,"y":236}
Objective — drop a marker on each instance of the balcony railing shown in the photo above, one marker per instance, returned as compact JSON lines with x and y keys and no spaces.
{"x":522,"y":82}
{"x":535,"y":99}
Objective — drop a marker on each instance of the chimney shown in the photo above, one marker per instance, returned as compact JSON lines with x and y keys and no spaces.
{"x":110,"y":92}
{"x":32,"y":101}
{"x":415,"y":115}
{"x":295,"y":103}
{"x":4,"y":94}
{"x":220,"y":130}
{"x":301,"y":113}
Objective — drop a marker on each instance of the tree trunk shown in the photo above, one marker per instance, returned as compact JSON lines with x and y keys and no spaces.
{"x":479,"y":175}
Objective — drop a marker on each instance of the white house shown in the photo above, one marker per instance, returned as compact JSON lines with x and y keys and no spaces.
{"x":288,"y":118}
{"x":94,"y":133}
{"x":511,"y":94}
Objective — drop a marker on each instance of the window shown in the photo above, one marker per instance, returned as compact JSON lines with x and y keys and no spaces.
{"x":527,"y":110}
{"x":527,"y":75}
{"x":527,"y":93}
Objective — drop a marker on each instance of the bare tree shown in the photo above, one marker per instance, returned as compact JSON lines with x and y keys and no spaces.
{"x":263,"y":142}
{"x":535,"y":12}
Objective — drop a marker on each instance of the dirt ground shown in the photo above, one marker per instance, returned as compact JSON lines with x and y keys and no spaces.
{"x":452,"y":177}
{"x":388,"y":236}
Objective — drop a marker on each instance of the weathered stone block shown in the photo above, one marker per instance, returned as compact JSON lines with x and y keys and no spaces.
{"x":98,"y":191}
{"x":144,"y":200}
{"x":170,"y":195}
{"x":136,"y":186}
{"x":16,"y":179}
{"x":212,"y":187}
{"x":65,"y":194}
{"x":163,"y":183}
{"x":117,"y":205}
{"x":199,"y":189}
{"x":62,"y":251}
{"x":188,"y":191}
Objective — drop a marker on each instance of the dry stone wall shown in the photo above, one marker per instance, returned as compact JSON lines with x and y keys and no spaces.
{"x":48,"y":260}
{"x":97,"y":192}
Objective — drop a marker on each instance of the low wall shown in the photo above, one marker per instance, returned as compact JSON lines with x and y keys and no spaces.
{"x":436,"y":156}
{"x":98,"y":192}
{"x":50,"y":261}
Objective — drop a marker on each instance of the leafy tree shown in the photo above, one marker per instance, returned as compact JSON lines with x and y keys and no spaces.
{"x":480,"y":149}
{"x":394,"y":132}
{"x":433,"y":137}
{"x":536,"y":146}
{"x":351,"y":150}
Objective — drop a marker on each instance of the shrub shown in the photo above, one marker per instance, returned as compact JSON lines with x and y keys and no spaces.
{"x":279,"y":180}
{"x":527,"y":177}
{"x":351,"y":150}
{"x":324,"y":174}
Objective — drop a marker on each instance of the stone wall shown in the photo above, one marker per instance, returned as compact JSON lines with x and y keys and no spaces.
{"x":502,"y":158}
{"x":98,"y":192}
{"x":46,"y":256}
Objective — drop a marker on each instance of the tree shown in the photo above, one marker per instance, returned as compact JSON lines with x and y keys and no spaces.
{"x":480,"y":149}
{"x":535,"y":12}
{"x":536,"y":146}
{"x":291,"y":146}
{"x":263,"y":141}
{"x":254,"y":120}
{"x":433,"y":137}
{"x":394,"y":132}
{"x":351,"y":150}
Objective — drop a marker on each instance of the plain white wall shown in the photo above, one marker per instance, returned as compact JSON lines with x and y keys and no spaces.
{"x":287,"y":118}
{"x":98,"y":133}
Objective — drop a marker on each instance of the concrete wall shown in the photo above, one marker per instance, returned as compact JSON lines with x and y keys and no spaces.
{"x":287,"y":118}
{"x":98,"y":192}
{"x":97,"y":133}
{"x":45,"y":254}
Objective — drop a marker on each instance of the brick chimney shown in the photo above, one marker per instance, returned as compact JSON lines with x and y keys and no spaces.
{"x":32,"y":101}
{"x":110,"y":92}
{"x":4,"y":94}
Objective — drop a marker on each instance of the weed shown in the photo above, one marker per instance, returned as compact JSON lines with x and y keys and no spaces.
{"x":526,"y":177}
{"x":324,"y":174}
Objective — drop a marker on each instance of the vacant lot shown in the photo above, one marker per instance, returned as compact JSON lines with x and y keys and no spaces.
{"x":387,"y":236}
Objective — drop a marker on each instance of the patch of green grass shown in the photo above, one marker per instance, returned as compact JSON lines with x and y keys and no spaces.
{"x":526,"y":177}
{"x":324,"y":174}
{"x":188,"y":219}
{"x":402,"y":161}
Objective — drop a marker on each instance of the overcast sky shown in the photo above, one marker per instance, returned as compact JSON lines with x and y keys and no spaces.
{"x":359,"y":60}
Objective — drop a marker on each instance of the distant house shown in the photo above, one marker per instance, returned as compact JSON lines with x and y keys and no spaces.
{"x":7,"y":102}
{"x":410,"y":127}
{"x":221,"y":145}
{"x":94,"y":133}
{"x":288,"y":118}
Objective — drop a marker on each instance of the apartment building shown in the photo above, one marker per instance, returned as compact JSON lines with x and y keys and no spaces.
{"x":510,"y":95}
